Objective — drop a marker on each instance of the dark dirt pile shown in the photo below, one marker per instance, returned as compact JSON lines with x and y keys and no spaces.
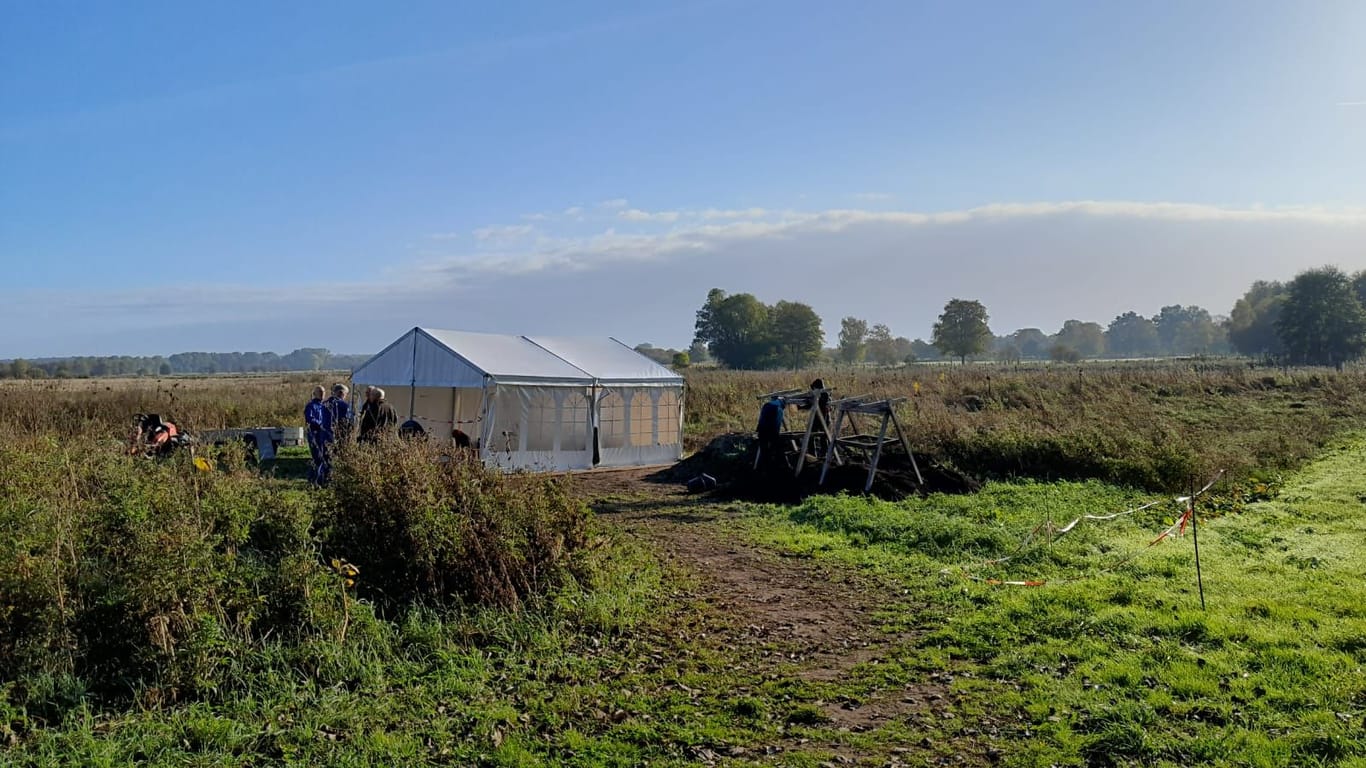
{"x":730,"y":460}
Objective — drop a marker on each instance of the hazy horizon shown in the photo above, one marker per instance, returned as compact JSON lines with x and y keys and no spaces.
{"x":193,"y":179}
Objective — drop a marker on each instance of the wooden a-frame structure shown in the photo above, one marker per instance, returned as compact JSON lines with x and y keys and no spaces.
{"x":817,"y":423}
{"x":871,"y":446}
{"x":845,"y":412}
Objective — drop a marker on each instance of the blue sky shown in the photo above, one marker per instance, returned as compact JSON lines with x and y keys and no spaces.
{"x":180,"y":176}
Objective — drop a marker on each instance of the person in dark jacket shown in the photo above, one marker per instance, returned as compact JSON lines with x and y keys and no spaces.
{"x":821,"y":401}
{"x":343,"y":420}
{"x":318,"y":426}
{"x":377,"y":417}
{"x":770,"y":430}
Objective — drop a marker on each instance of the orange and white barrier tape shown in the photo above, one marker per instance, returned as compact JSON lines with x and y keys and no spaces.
{"x":1178,"y":527}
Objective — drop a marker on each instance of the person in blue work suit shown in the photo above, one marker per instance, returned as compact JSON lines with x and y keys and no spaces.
{"x":339,"y":408}
{"x":318,"y":427}
{"x":770,"y":430}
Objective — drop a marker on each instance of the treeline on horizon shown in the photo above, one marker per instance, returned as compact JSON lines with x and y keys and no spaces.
{"x":305,"y":359}
{"x":1318,"y":318}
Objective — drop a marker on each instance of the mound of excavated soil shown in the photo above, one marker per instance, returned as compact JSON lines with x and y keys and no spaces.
{"x":730,"y":460}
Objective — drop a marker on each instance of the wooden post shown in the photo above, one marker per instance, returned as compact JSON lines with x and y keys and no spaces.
{"x":1195,"y":534}
{"x":906,"y":443}
{"x":830,"y":449}
{"x":806,"y":440}
{"x":877,"y":451}
{"x":831,"y":438}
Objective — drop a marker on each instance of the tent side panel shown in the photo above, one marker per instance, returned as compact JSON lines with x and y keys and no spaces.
{"x":540,"y":428}
{"x":392,"y":367}
{"x":436,"y":410}
{"x":436,"y":366}
{"x":641,"y":426}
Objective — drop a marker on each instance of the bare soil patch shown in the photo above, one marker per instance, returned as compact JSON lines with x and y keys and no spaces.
{"x":791,"y":615}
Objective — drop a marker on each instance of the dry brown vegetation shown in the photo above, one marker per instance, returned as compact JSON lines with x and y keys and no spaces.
{"x":1154,"y":426}
{"x":1147,"y":425}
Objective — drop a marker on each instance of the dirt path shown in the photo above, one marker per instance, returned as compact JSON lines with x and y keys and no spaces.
{"x":798,"y":617}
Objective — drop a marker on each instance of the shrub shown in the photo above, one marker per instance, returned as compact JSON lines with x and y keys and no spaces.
{"x":426,"y":526}
{"x":118,"y":571}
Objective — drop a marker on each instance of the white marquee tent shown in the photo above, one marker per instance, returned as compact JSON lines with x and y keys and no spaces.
{"x":543,"y":402}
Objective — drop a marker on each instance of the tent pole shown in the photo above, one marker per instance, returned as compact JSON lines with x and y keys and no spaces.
{"x":412,"y":388}
{"x":484,"y":425}
{"x":593,"y":423}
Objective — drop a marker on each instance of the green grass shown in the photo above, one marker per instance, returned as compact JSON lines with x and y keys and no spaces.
{"x":622,"y":671}
{"x":1110,"y":663}
{"x":1113,"y":662}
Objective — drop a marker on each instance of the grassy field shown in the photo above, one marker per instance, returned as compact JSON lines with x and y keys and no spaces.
{"x":1111,"y":661}
{"x":1142,"y":424}
{"x":153,"y":613}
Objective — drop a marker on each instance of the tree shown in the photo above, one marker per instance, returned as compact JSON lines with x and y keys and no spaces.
{"x":1032,"y":343}
{"x":796,"y":334}
{"x":1321,"y":320}
{"x":904,"y":349}
{"x":1359,"y":286}
{"x":1252,"y":323}
{"x":682,"y":360}
{"x":852,"y":333}
{"x":1061,"y":353}
{"x":1186,"y":330}
{"x":962,"y":329}
{"x":164,"y":369}
{"x":735,"y":329}
{"x":923,"y":350}
{"x":881,"y":345}
{"x":697,"y":353}
{"x":1008,"y":354}
{"x":704,"y":327}
{"x":1088,"y":339}
{"x":657,"y":354}
{"x":1132,"y":335}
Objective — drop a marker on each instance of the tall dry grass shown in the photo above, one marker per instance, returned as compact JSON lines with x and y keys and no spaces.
{"x":1148,"y":425}
{"x":124,"y":577}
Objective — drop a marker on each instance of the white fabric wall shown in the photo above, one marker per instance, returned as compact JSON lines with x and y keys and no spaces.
{"x":548,"y":428}
{"x":440,"y":410}
{"x":543,"y":428}
{"x":640,"y":426}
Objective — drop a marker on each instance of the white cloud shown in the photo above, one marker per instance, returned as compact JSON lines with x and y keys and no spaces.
{"x":573,"y":210}
{"x":735,"y":213}
{"x":635,"y":214}
{"x":1033,"y":264}
{"x":872,"y":197}
{"x":503,"y":234}
{"x":619,"y":202}
{"x":445,"y":236}
{"x":534,"y":217}
{"x":1352,"y":103}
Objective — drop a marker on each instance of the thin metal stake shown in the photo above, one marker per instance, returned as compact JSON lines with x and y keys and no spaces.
{"x":1195,"y":534}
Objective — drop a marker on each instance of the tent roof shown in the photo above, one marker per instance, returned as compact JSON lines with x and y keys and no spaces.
{"x":605,"y":358}
{"x":504,"y":356}
{"x":445,"y":358}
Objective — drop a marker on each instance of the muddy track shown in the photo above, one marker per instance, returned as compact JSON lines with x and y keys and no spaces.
{"x":791,"y":616}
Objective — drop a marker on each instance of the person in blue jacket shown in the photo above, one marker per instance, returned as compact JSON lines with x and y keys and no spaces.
{"x":770,"y":430}
{"x":339,"y":408}
{"x":318,"y":427}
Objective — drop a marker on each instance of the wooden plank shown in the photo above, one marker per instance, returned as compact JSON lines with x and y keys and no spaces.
{"x":830,"y":449}
{"x":906,"y":443}
{"x":867,"y":442}
{"x":806,"y":440}
{"x":781,"y":393}
{"x":877,"y":454}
